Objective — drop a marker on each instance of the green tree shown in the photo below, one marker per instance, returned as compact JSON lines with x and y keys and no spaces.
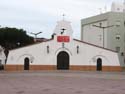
{"x":11,"y":38}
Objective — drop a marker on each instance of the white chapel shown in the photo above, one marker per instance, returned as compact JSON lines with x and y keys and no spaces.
{"x":62,"y":52}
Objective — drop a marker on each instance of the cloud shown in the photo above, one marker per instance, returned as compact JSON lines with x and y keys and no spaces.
{"x":37,"y":15}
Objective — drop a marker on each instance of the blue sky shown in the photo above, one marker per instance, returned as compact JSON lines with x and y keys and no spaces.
{"x":42,"y":15}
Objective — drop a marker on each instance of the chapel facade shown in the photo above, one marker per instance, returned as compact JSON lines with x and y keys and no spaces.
{"x":62,"y":52}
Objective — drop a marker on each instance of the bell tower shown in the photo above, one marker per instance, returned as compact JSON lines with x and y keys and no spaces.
{"x":63,"y":31}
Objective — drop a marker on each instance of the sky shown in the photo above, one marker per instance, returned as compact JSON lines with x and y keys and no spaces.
{"x":42,"y":15}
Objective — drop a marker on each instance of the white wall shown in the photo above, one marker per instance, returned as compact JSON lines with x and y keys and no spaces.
{"x":38,"y":54}
{"x":87,"y":53}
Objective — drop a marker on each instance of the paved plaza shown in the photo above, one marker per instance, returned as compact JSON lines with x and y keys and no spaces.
{"x":62,"y":82}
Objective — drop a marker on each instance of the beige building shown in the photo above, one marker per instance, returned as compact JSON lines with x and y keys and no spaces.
{"x":106,"y":30}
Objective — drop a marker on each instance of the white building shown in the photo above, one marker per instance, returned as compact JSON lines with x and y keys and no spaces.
{"x":2,"y":58}
{"x":63,"y":53}
{"x":106,"y":30}
{"x":118,"y":7}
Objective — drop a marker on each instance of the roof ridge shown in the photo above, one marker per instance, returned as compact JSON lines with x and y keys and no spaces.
{"x":94,"y":45}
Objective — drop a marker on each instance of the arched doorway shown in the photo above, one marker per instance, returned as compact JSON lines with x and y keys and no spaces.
{"x":63,"y":61}
{"x":26,"y":63}
{"x":99,"y":64}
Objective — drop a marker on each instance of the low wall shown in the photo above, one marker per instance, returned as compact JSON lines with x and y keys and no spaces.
{"x":54,"y":67}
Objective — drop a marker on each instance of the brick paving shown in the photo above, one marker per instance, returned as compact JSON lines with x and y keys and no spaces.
{"x":62,"y":82}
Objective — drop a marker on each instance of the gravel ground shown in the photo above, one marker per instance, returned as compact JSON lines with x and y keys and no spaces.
{"x":62,"y":82}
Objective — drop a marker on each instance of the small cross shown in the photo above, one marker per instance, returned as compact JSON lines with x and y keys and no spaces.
{"x":63,"y":17}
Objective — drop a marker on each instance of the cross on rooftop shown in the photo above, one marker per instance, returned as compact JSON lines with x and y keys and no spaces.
{"x":63,"y":16}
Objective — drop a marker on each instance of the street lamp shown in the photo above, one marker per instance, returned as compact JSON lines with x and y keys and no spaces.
{"x":18,"y":44}
{"x":63,"y":29}
{"x":35,"y":34}
{"x":103,"y":28}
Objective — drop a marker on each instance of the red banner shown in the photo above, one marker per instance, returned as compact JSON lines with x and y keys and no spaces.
{"x":63,"y":38}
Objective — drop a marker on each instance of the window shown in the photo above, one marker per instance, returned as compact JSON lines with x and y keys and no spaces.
{"x":118,"y":9}
{"x":100,"y":24}
{"x":100,"y":37}
{"x":118,"y":23}
{"x":123,"y":10}
{"x":118,"y":36}
{"x":122,"y":54}
{"x":118,"y":49}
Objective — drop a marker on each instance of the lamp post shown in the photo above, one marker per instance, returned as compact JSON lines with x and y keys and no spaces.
{"x":103,"y":28}
{"x":63,"y":29}
{"x":18,"y":44}
{"x":35,"y":34}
